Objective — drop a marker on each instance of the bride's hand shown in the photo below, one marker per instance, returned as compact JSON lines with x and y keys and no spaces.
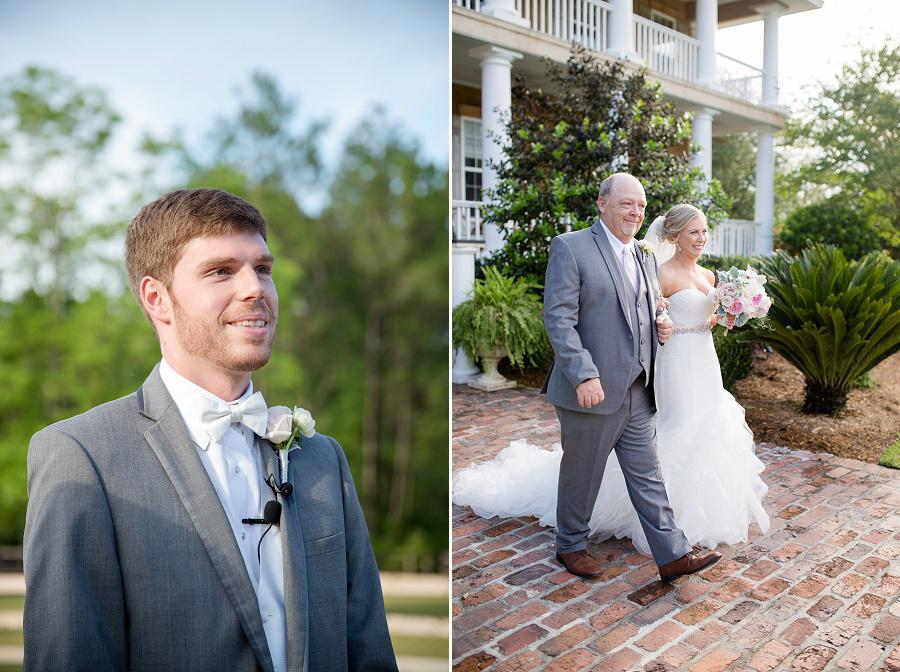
{"x":728,"y":322}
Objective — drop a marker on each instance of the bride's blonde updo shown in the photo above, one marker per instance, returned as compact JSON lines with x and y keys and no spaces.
{"x":678,"y":217}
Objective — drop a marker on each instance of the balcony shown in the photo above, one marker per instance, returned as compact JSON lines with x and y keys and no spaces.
{"x":662,"y":49}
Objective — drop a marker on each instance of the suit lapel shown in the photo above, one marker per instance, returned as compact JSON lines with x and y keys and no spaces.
{"x":294,"y":562}
{"x":615,"y":269}
{"x":173,"y":446}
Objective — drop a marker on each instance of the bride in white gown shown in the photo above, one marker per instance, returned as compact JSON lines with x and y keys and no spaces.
{"x":705,"y":448}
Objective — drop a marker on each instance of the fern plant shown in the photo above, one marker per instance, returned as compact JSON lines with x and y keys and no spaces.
{"x":501,"y":313}
{"x":832,"y":318}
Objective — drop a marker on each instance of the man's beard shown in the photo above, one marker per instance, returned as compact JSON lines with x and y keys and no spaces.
{"x":200,"y":339}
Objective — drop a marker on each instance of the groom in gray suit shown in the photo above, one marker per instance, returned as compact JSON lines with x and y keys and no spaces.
{"x":600,"y":300}
{"x":162,"y":533}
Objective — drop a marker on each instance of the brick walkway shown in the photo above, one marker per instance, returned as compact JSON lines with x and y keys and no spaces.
{"x":819,"y":591}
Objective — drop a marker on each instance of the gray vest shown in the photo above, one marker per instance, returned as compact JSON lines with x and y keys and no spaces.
{"x":641,"y":318}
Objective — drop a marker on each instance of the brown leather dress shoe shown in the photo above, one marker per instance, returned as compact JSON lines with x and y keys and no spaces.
{"x":580,"y":563}
{"x":687,"y":564}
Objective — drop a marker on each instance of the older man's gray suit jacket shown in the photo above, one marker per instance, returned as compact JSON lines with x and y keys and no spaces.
{"x":588,"y":321}
{"x":130,"y":562}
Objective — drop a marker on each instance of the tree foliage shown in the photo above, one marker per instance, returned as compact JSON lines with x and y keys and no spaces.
{"x":850,"y":129}
{"x":734,"y":165}
{"x":834,"y":222}
{"x":55,"y":133}
{"x":593,"y":120}
{"x":363,"y":331}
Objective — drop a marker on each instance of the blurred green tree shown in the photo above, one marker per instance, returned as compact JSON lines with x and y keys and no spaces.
{"x":849,"y":129}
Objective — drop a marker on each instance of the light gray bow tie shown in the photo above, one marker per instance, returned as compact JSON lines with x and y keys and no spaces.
{"x":217,"y":416}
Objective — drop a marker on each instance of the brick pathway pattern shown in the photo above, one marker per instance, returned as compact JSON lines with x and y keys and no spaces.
{"x":819,"y":591}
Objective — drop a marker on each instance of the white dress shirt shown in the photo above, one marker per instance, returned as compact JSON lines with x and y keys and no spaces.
{"x":234,"y":469}
{"x":632,"y":273}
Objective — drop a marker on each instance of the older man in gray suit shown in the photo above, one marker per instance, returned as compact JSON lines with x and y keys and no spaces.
{"x":600,"y":300}
{"x":163,"y":532}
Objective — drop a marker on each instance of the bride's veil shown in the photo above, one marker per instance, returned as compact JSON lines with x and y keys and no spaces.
{"x":663,"y":249}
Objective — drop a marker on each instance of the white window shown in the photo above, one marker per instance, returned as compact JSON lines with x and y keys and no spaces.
{"x":663,"y":19}
{"x":471,"y":150}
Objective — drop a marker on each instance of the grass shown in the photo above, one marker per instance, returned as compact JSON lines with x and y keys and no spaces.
{"x":404,"y":645}
{"x":16,"y":602}
{"x":891,"y":457}
{"x":10,"y":667}
{"x":416,"y":605}
{"x":430,"y":647}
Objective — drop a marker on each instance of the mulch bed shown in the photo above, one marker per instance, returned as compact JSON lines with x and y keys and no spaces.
{"x":772,"y":396}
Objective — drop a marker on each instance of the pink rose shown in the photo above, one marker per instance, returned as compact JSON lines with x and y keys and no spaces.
{"x":757,"y":299}
{"x":736,"y":308}
{"x":730,"y":289}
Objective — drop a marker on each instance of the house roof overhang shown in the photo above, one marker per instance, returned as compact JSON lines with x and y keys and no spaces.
{"x":737,"y":12}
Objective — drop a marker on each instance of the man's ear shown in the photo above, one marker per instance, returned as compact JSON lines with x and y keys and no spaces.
{"x":600,"y":203}
{"x":156,"y":300}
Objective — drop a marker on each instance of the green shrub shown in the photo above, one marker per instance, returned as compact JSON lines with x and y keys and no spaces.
{"x":717,"y":263}
{"x":501,"y":312}
{"x":832,"y":318}
{"x":832,"y":222}
{"x":734,"y":356}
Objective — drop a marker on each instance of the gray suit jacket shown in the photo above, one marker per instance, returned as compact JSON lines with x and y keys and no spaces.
{"x":130,"y":563}
{"x":587,"y":317}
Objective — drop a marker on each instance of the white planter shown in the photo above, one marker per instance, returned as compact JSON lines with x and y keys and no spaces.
{"x":491,"y":380}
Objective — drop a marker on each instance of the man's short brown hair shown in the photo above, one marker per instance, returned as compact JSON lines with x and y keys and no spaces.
{"x":156,"y":237}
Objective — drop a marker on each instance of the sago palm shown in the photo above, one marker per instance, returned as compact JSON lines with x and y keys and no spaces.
{"x":832,"y":318}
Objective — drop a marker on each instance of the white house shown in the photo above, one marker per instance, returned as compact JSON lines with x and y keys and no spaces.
{"x":493,"y":40}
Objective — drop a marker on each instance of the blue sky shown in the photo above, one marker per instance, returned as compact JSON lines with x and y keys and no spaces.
{"x":179,"y":63}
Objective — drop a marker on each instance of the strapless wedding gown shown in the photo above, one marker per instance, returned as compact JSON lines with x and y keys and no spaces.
{"x":706,"y":453}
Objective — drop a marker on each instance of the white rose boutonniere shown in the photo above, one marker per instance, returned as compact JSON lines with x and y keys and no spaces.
{"x":646,"y":247}
{"x":286,"y":429}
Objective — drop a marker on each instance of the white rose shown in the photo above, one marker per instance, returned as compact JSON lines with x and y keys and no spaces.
{"x":278,"y":428}
{"x":303,"y":421}
{"x":726,"y":301}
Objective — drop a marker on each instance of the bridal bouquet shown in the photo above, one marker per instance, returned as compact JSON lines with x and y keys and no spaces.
{"x":741,"y":293}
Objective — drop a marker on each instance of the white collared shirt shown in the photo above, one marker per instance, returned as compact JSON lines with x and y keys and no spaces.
{"x":237,"y":478}
{"x":618,"y":246}
{"x":239,"y":462}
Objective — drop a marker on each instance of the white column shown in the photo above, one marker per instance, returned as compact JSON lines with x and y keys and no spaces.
{"x":764,"y":205}
{"x":707,"y":22}
{"x":496,"y":99}
{"x":462,"y":278}
{"x":504,"y":10}
{"x":701,"y":133}
{"x":770,"y":14}
{"x":620,"y":31}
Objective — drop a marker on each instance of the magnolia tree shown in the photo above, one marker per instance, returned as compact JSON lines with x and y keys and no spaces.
{"x":593,"y":120}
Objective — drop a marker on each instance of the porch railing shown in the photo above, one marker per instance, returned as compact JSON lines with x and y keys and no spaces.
{"x":731,"y":237}
{"x":739,"y":79}
{"x":734,"y":237}
{"x":466,"y":217}
{"x":664,"y":50}
{"x":581,"y":21}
